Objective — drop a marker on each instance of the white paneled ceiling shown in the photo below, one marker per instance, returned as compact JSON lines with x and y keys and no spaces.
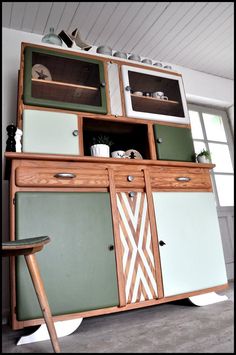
{"x":196,"y":35}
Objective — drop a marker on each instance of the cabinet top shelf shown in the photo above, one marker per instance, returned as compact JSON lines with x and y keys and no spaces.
{"x":51,"y":82}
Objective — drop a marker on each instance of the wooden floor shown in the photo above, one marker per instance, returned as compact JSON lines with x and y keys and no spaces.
{"x":168,"y":328}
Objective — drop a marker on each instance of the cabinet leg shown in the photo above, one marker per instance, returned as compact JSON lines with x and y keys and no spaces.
{"x":207,"y":298}
{"x":63,"y":329}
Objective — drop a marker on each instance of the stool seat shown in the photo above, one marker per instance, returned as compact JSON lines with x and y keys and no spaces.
{"x":24,"y":246}
{"x":28,"y":247}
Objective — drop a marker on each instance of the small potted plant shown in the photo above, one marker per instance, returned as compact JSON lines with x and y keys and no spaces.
{"x":101,"y":146}
{"x":204,"y":156}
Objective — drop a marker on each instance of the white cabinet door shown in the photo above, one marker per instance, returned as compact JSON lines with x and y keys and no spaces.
{"x":140,"y":89}
{"x":50,"y":132}
{"x":192,"y":256}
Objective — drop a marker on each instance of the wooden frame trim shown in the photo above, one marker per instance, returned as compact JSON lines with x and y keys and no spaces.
{"x":154,"y":235}
{"x":118,"y":247}
{"x":128,"y":307}
{"x":102,"y":58}
{"x":110,"y":161}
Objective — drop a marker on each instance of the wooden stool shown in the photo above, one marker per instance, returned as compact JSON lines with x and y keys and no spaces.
{"x":28,"y":247}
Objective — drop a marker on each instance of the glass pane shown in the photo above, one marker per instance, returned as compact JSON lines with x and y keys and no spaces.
{"x":225,"y":189}
{"x":65,"y":80}
{"x":199,"y":146}
{"x":196,"y":127}
{"x":214,"y":127}
{"x":155,"y":94}
{"x":221,"y":157}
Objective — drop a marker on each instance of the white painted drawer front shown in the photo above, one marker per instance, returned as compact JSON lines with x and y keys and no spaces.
{"x":192,"y":257}
{"x":50,"y":132}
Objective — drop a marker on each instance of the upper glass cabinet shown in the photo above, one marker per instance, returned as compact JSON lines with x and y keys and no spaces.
{"x":154,"y":95}
{"x":63,"y":80}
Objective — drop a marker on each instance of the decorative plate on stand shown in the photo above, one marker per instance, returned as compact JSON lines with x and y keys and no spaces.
{"x":39,"y":71}
{"x":133,"y":154}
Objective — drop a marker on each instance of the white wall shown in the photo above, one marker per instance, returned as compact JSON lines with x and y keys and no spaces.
{"x":200,"y":89}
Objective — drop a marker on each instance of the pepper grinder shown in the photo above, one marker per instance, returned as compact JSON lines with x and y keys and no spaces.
{"x":11,"y":143}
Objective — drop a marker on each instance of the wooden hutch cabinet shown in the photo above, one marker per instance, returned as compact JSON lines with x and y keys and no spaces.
{"x":126,"y":233}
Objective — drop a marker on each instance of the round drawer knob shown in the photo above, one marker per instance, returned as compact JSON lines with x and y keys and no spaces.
{"x":128,"y":88}
{"x":131,"y":194}
{"x":103,"y":84}
{"x":161,"y":243}
{"x":130,"y":178}
{"x":75,"y":132}
{"x":111,"y":247}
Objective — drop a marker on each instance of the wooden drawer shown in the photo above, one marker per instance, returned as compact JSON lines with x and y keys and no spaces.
{"x":129,"y":178}
{"x":179,"y":179}
{"x":61,"y":177}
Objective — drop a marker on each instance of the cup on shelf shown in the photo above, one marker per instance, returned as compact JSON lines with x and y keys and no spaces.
{"x":138,"y":93}
{"x":164,"y":98}
{"x":158,"y":94}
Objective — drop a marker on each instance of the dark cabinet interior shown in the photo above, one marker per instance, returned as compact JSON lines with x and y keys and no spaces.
{"x":124,"y":136}
{"x":149,"y":84}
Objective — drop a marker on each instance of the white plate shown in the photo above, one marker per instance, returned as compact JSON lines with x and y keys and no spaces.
{"x":39,"y":71}
{"x":133,"y":154}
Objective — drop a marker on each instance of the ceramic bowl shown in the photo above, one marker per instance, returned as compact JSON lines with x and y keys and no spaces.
{"x":104,"y":50}
{"x":147,"y":61}
{"x":135,"y":57}
{"x":158,"y":64}
{"x":118,"y":154}
{"x":120,"y":55}
{"x":167,"y":67}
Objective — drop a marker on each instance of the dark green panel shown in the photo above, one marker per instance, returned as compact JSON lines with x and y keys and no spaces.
{"x":27,"y":89}
{"x":176,"y":143}
{"x":78,"y":269}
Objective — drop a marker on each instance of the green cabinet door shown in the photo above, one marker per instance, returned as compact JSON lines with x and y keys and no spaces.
{"x":192,"y":257}
{"x":174,"y":143}
{"x":77,"y":266}
{"x":63,"y":80}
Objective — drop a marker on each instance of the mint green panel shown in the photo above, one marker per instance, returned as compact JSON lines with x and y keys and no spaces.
{"x":192,"y":258}
{"x":60,"y":63}
{"x":78,"y":269}
{"x":50,"y":132}
{"x":176,"y":143}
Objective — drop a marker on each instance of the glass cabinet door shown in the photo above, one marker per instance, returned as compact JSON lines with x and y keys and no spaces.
{"x":154,"y":95}
{"x":63,"y":80}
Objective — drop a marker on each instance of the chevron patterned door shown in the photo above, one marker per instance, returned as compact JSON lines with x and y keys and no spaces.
{"x":137,"y":253}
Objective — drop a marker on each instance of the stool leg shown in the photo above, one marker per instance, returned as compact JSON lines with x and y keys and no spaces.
{"x":42,"y":298}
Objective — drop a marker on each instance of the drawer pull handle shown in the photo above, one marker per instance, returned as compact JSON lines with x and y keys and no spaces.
{"x":183,"y":179}
{"x":130,"y":178}
{"x":65,"y":175}
{"x":161,"y":243}
{"x":111,"y":247}
{"x":131,"y":194}
{"x":159,"y":140}
{"x":128,"y":88}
